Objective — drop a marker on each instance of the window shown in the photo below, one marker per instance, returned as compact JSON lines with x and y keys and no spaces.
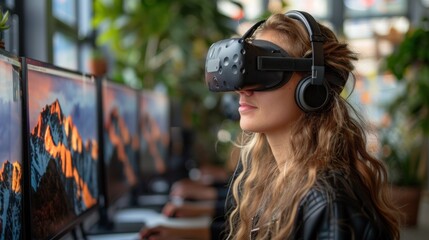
{"x":374,"y":8}
{"x":71,"y":33}
{"x":65,"y":51}
{"x":373,"y":28}
{"x":320,"y":9}
{"x":65,"y":11}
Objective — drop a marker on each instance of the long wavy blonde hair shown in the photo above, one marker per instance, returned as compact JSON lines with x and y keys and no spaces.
{"x":330,"y":141}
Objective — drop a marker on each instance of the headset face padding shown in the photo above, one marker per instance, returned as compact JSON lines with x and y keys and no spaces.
{"x":311,"y":97}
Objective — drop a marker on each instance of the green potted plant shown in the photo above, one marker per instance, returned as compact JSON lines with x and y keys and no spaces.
{"x":97,"y":63}
{"x":409,"y":63}
{"x":4,"y":16}
{"x":405,"y":140}
{"x":404,"y":152}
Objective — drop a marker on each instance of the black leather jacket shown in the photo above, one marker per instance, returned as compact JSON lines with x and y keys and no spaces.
{"x":337,"y":209}
{"x":337,"y":214}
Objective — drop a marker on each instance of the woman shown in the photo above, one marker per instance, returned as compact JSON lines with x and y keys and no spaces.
{"x":304,"y":170}
{"x":307,"y":174}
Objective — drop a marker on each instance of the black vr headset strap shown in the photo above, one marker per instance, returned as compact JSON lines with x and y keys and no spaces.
{"x":271,"y":63}
{"x":316,"y":39}
{"x":250,"y":32}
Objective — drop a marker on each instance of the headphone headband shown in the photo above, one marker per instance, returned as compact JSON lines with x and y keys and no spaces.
{"x":316,"y":39}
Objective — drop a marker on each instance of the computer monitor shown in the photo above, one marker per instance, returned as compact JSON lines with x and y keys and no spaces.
{"x":120,"y":148}
{"x":154,"y":141}
{"x":11,"y":159}
{"x":62,"y":148}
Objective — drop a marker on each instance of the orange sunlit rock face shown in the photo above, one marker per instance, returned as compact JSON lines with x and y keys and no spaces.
{"x":37,"y":130}
{"x":2,"y":170}
{"x":120,"y":140}
{"x":56,"y":109}
{"x":67,"y":125}
{"x":59,"y":151}
{"x":65,"y":157}
{"x":83,"y":190}
{"x":125,"y":134}
{"x":76,"y":140}
{"x":94,"y":152}
{"x":16,"y":175}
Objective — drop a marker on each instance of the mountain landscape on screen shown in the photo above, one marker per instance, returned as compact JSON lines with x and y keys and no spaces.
{"x":63,"y":171}
{"x":10,"y":155}
{"x":121,"y":148}
{"x":10,"y":200}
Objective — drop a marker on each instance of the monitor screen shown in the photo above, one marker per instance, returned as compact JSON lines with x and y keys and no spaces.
{"x":154,"y":138}
{"x":62,"y":147}
{"x":120,"y":136}
{"x":11,"y":184}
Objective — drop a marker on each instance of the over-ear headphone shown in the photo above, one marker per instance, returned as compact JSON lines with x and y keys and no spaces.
{"x":312,"y":92}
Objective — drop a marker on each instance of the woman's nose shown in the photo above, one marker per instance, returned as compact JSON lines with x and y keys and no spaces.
{"x":245,"y":92}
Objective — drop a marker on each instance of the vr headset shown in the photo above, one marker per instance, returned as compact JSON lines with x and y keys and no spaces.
{"x":240,"y":63}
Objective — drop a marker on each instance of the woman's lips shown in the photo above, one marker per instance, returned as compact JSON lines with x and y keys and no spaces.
{"x":244,"y":107}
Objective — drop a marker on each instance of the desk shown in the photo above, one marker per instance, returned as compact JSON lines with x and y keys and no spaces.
{"x":115,"y":236}
{"x":152,"y":218}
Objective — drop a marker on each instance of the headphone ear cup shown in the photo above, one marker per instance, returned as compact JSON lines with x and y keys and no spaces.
{"x":310,"y":97}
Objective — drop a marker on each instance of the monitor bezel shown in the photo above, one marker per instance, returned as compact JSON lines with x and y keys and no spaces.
{"x":108,"y":206}
{"x":15,"y":61}
{"x":80,"y":219}
{"x":149,"y":177}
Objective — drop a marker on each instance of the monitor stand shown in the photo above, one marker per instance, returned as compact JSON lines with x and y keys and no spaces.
{"x":116,"y":227}
{"x":107,"y":226}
